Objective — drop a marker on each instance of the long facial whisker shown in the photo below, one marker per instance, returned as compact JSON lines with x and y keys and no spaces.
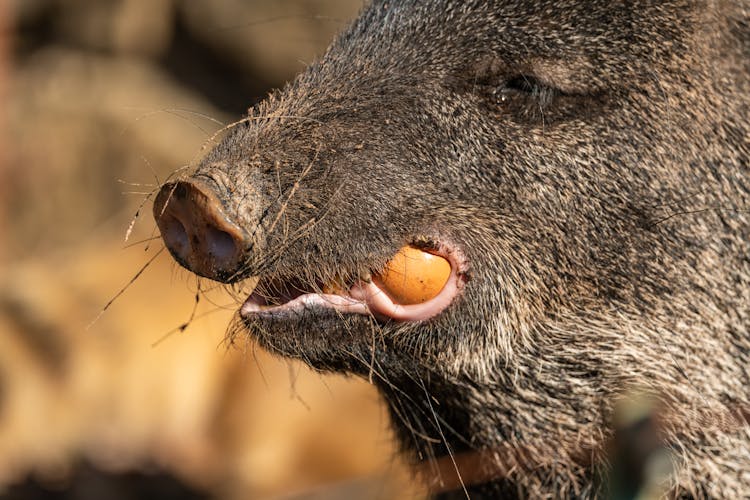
{"x":124,"y":288}
{"x":445,"y":441}
{"x":184,"y":326}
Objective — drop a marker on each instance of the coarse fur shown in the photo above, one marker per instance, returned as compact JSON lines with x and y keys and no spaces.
{"x":589,"y":159}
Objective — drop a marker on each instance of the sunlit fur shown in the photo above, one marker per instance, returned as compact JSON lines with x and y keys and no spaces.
{"x":602,"y":208}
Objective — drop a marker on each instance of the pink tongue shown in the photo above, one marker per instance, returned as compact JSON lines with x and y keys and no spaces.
{"x":381,"y":306}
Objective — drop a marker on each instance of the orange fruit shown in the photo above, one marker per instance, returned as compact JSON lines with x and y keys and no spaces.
{"x":414,"y":276}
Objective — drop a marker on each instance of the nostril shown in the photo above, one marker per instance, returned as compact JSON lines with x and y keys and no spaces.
{"x":221,"y":245}
{"x":196,"y":230}
{"x":180,"y":191}
{"x":175,"y":236}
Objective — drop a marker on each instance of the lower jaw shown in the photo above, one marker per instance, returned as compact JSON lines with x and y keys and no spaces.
{"x":321,"y":338}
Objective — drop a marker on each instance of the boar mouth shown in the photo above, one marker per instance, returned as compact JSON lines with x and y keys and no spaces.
{"x":371,"y":296}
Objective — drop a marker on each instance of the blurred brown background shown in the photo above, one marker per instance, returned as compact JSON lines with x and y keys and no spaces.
{"x":101,"y":100}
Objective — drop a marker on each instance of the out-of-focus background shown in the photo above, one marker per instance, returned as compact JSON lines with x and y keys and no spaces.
{"x":101,"y":100}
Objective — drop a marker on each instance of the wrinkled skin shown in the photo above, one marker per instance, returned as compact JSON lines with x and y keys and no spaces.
{"x":590,"y":161}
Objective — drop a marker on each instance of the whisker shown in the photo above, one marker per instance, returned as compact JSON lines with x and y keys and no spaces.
{"x":140,"y":242}
{"x":445,"y":441}
{"x":276,"y":19}
{"x":176,"y":112}
{"x":123,"y":289}
{"x":181,"y":328}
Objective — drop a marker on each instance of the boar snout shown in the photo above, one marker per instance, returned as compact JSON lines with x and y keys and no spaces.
{"x":198,"y":232}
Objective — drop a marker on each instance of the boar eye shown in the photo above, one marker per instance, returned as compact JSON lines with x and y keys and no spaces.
{"x":527,"y":99}
{"x":526,"y":96}
{"x":531,"y":101}
{"x":524,"y":83}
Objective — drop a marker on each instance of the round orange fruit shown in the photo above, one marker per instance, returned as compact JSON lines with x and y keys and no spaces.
{"x":414,"y":276}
